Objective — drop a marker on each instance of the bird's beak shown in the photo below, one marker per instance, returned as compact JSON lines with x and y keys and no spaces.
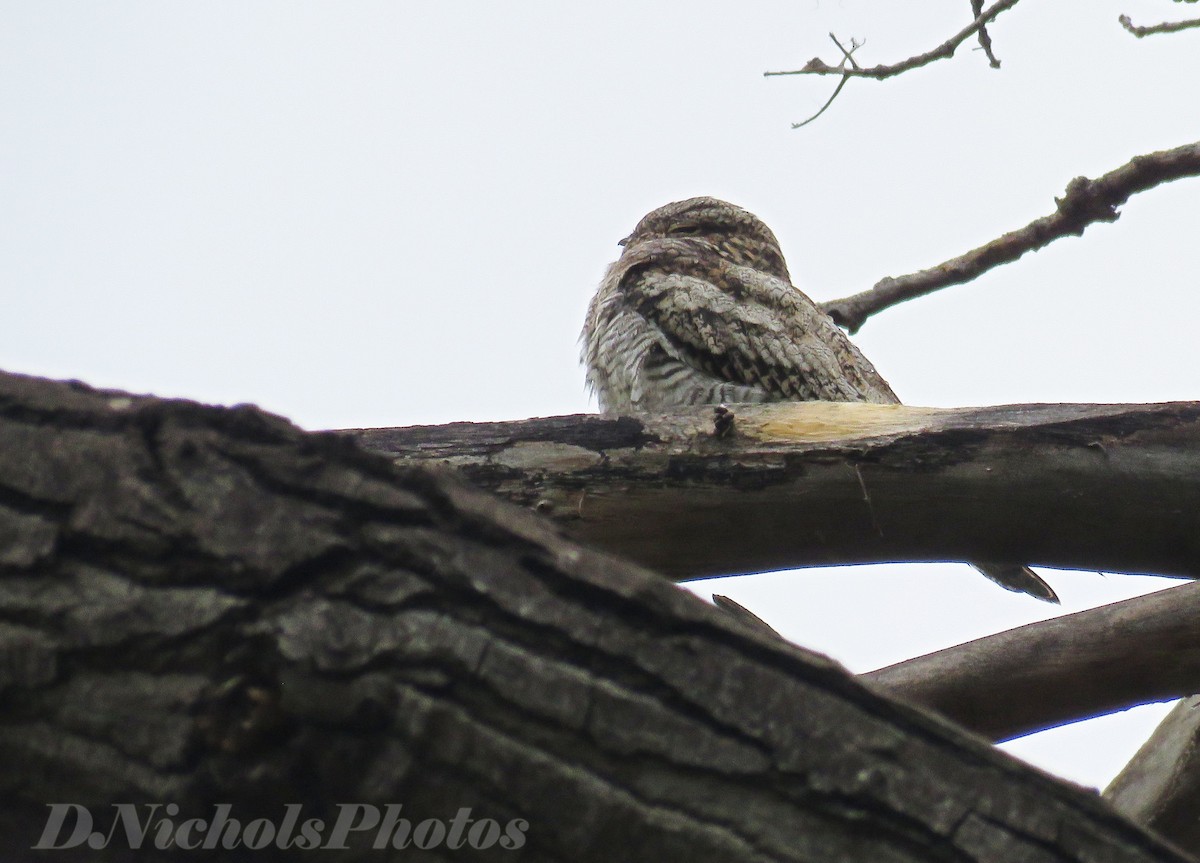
{"x":622,"y":242}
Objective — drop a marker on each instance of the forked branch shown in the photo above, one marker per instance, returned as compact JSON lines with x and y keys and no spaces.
{"x":817,"y":66}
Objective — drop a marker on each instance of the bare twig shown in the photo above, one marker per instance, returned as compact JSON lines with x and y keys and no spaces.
{"x":1165,"y":27}
{"x":985,"y":38}
{"x":825,"y":107}
{"x":817,"y":66}
{"x":1085,"y":202}
{"x":847,"y":57}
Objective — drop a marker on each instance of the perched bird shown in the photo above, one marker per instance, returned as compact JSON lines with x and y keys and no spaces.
{"x":700,"y":309}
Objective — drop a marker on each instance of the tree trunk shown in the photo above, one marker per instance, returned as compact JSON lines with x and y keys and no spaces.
{"x":207,"y":606}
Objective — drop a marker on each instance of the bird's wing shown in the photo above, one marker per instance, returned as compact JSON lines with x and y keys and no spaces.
{"x":748,"y":327}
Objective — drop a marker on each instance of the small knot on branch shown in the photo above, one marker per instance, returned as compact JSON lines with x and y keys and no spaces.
{"x":723,"y":419}
{"x":1085,"y":202}
{"x":844,"y":315}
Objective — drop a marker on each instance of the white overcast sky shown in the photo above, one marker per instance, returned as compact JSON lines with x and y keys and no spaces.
{"x":392,"y":213}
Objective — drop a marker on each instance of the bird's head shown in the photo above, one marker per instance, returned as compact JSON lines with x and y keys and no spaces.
{"x":737,"y":235}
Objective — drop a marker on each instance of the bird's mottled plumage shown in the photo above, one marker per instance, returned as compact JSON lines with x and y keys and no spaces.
{"x":700,"y":309}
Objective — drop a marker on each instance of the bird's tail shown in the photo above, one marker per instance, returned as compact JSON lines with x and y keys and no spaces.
{"x":1014,"y":576}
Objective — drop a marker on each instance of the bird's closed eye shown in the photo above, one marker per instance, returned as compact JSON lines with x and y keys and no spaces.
{"x":685,"y":229}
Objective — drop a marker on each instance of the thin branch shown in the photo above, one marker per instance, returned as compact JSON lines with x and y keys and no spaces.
{"x":817,"y":66}
{"x":1063,"y":670}
{"x":1165,"y":27}
{"x":848,"y":57}
{"x":825,"y":107}
{"x":985,"y":38}
{"x":1085,"y":202}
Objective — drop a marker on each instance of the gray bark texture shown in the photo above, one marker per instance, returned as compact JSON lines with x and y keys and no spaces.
{"x":767,"y":487}
{"x":203,"y":605}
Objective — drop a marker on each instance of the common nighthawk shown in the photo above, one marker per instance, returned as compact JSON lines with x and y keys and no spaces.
{"x":700,"y":309}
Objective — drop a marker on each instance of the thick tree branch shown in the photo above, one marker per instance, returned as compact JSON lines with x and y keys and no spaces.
{"x":1111,"y":487}
{"x":1061,"y":670}
{"x":1085,"y":202}
{"x":817,"y":66}
{"x":788,"y":489}
{"x":201,"y":605}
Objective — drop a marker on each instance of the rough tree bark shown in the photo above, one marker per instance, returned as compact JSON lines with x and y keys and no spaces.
{"x":207,"y":605}
{"x":1103,"y":486}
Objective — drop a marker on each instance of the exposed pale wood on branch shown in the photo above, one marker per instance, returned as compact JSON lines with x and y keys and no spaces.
{"x":798,"y":480}
{"x":1112,"y":487}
